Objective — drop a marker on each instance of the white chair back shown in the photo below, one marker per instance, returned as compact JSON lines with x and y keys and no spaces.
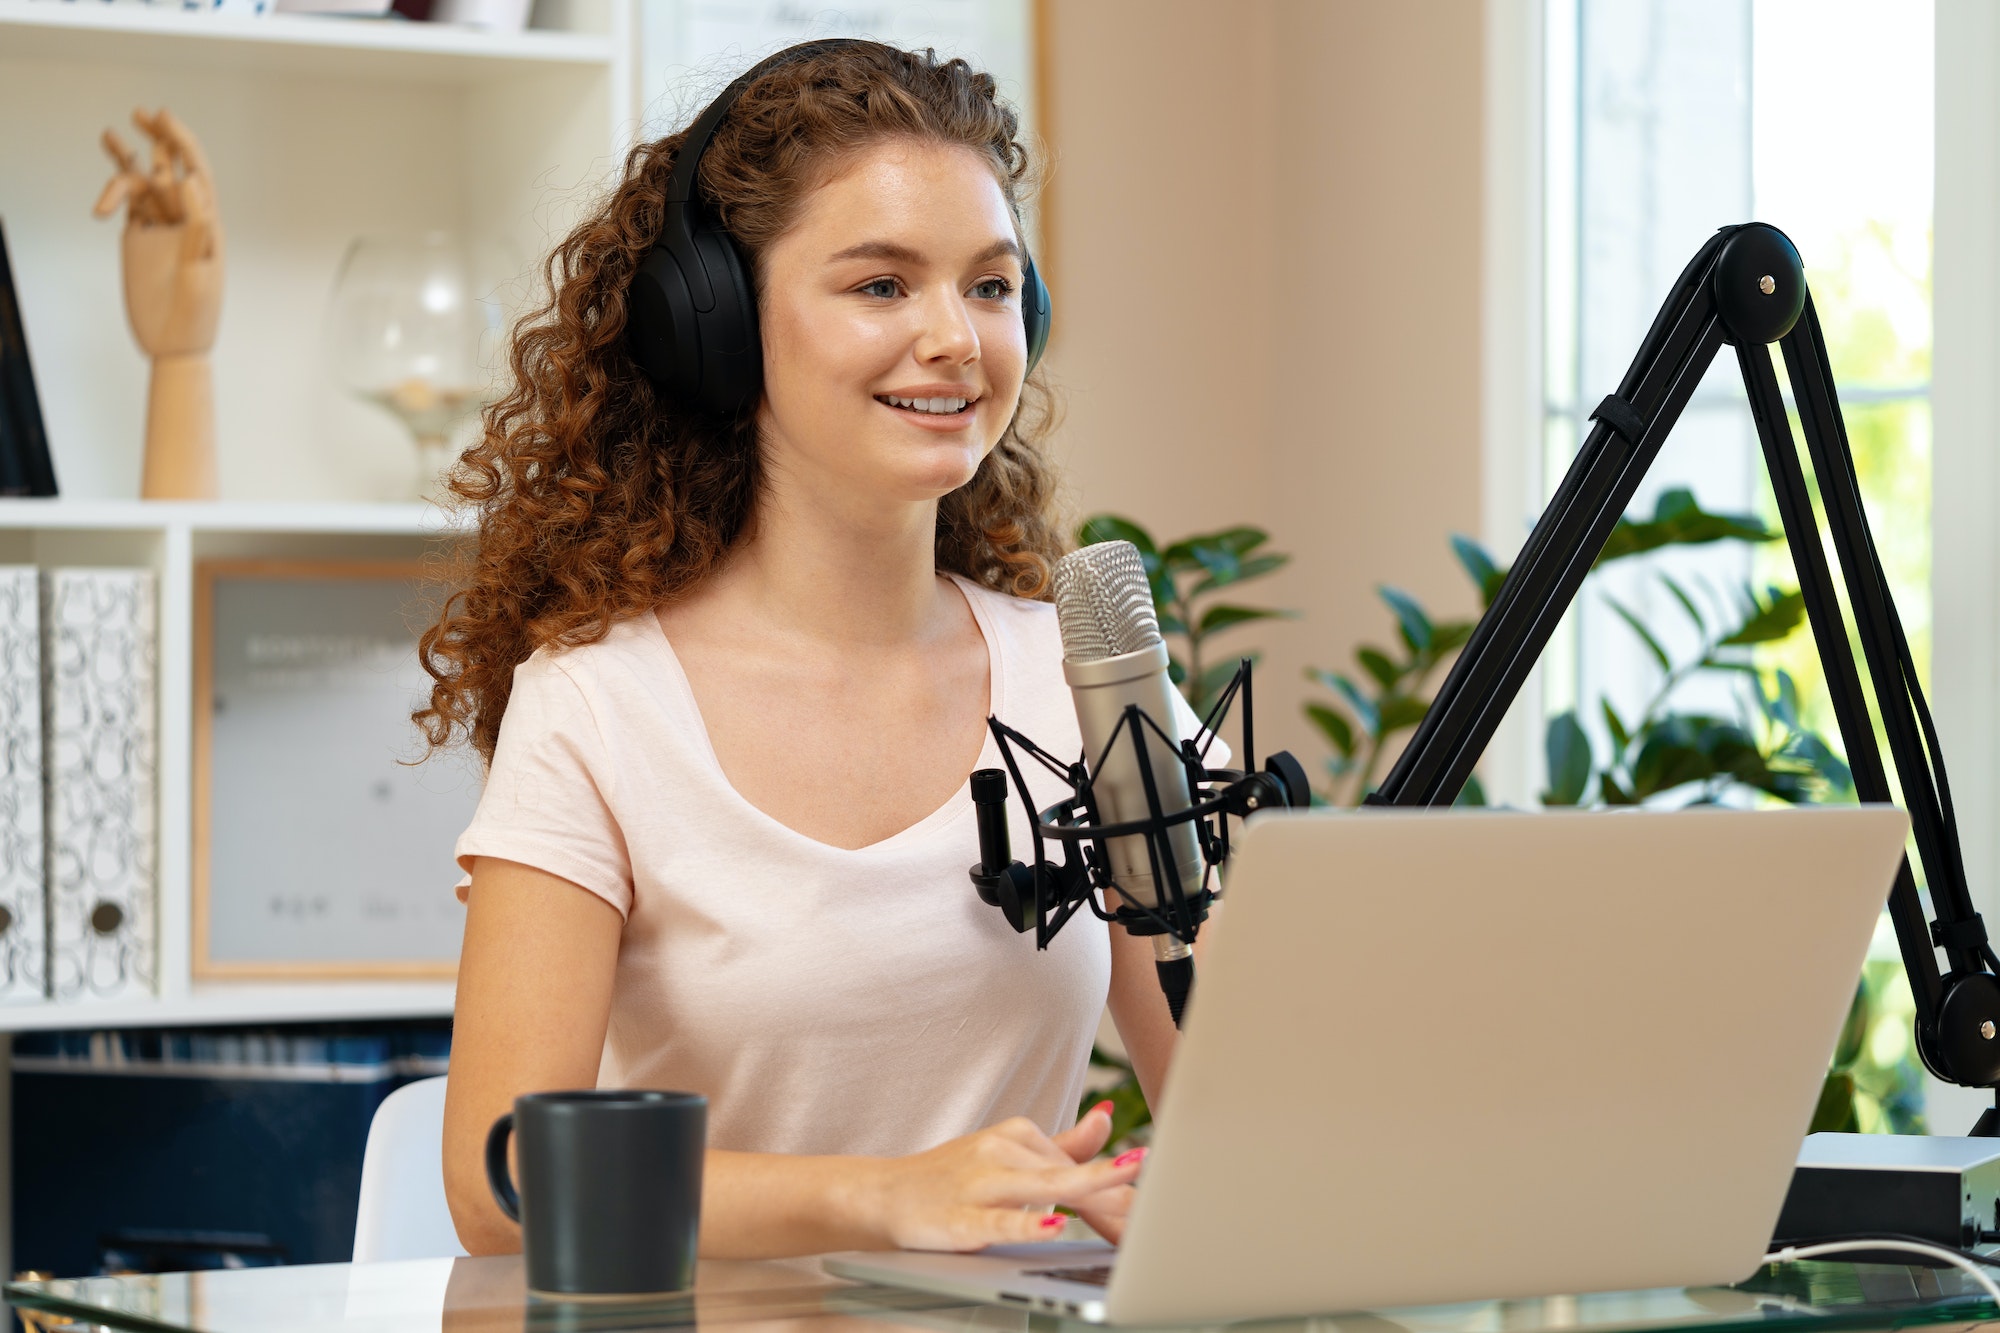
{"x":403,"y":1214}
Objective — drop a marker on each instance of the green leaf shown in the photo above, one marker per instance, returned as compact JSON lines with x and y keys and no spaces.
{"x":1645,"y":635}
{"x":1615,"y":724}
{"x":1397,"y":711}
{"x":1449,"y":637}
{"x":1679,"y":521}
{"x":1687,"y":603}
{"x":1688,"y":748}
{"x":1835,"y":1112}
{"x":1410,"y":617}
{"x":1377,"y":664}
{"x":1222,"y":617}
{"x":1362,"y":706}
{"x":1853,"y":1032}
{"x":1769,"y":621}
{"x":1568,"y":751}
{"x":1230,"y":541}
{"x":1714,"y":663}
{"x":1169,"y":622}
{"x":1176,"y":671}
{"x":1486,"y":575}
{"x":1812,"y":751}
{"x":1256,"y":567}
{"x":1111,"y":528}
{"x":1471,"y":794}
{"x":1334,"y":726}
{"x":1239,"y":541}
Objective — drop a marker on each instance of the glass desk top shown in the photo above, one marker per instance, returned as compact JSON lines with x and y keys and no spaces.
{"x":797,"y":1296}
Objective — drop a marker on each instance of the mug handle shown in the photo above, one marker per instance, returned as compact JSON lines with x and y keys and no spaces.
{"x":497,"y":1178}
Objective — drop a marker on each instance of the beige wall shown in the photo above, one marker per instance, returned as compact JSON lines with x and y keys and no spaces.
{"x":1264,"y":243}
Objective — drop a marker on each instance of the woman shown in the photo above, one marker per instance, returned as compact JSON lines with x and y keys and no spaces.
{"x":730,"y":677}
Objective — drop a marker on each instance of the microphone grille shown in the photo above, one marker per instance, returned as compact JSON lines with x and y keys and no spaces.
{"x":1104,"y":606}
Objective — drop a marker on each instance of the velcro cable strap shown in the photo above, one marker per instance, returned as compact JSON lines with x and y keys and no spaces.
{"x":1967,"y":934}
{"x":1621,"y":416}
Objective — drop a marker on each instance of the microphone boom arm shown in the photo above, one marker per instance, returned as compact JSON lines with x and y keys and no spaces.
{"x":1746,"y":288}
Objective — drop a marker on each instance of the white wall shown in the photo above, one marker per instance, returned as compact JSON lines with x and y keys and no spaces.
{"x":1965,"y":481}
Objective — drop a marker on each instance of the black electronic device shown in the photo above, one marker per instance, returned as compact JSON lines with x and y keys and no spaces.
{"x":1942,"y":1190}
{"x":1746,"y":288}
{"x":691,"y":311}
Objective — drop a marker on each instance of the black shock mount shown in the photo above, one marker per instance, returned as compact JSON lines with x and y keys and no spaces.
{"x":1043,"y":895}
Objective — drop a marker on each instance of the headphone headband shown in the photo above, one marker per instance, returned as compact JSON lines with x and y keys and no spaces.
{"x":681,"y":184}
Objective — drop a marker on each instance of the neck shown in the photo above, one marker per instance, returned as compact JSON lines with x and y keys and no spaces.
{"x":845,"y":574}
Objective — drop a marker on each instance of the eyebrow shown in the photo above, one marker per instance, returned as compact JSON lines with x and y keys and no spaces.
{"x":903,"y":254}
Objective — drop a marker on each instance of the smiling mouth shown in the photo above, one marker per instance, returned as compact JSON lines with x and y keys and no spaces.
{"x":929,"y":407}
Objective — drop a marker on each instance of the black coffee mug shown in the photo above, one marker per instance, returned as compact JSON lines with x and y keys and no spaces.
{"x":610,"y":1198}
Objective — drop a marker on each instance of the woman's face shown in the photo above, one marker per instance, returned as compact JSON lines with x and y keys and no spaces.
{"x":891,"y":319}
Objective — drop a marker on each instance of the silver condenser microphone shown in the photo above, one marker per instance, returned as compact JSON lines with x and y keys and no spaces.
{"x":1113,"y":657}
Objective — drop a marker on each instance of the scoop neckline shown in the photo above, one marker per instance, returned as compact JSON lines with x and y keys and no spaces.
{"x":955,"y":806}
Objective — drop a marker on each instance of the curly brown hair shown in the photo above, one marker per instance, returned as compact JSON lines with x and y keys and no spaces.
{"x":595,"y":499}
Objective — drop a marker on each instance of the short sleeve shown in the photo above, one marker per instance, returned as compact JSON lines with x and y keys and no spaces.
{"x":547,"y":801}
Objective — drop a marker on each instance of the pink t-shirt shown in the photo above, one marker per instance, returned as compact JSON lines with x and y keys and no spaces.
{"x":826,"y":1001}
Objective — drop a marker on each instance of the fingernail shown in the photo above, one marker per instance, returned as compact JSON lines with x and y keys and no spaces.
{"x":1101,"y":1106}
{"x":1054,"y":1220}
{"x":1127,"y":1158}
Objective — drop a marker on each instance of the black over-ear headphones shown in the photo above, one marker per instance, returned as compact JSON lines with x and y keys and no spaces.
{"x":691,"y":312}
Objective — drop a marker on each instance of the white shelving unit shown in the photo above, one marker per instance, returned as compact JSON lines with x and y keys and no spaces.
{"x":318,"y":130}
{"x":170,"y":538}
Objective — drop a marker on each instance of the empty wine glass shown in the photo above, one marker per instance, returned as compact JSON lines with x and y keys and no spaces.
{"x":414,"y":327}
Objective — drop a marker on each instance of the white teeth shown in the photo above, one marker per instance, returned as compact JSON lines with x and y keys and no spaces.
{"x":936,"y":406}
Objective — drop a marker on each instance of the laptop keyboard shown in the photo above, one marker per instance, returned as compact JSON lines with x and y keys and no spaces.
{"x":1096,"y":1275}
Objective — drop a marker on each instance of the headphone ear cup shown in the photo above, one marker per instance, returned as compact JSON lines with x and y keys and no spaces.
{"x":661,"y":330}
{"x":732,"y":353}
{"x":1035,"y":312}
{"x":691,"y":322}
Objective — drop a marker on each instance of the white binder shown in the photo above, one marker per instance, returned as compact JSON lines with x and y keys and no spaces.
{"x":24,"y":936}
{"x":99,"y":655}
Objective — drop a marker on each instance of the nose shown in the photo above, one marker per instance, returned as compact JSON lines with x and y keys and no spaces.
{"x":947,"y":335}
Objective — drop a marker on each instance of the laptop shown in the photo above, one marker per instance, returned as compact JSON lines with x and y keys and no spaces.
{"x":1447,"y":1056}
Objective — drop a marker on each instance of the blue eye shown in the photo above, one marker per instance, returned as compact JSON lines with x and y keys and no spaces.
{"x":992,"y":289}
{"x":882,"y":287}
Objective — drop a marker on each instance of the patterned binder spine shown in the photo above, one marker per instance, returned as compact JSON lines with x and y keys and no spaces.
{"x":24,"y":936}
{"x":98,"y":655}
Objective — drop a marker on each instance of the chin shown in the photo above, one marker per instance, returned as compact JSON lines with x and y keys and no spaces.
{"x":943,"y":471}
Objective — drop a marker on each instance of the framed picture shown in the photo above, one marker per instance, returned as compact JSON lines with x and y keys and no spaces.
{"x":321,"y":850}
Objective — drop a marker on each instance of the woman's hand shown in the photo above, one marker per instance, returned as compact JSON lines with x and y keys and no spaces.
{"x":1105,"y":1211}
{"x":994,"y":1187}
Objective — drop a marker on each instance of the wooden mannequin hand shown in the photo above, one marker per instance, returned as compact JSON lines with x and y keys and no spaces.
{"x":173,"y":238}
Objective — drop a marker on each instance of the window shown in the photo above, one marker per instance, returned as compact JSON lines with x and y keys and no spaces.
{"x":1665,"y":119}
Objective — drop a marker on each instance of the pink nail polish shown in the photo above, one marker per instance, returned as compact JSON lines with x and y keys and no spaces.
{"x":1054,"y":1220}
{"x":1101,"y":1106}
{"x":1127,"y":1158}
